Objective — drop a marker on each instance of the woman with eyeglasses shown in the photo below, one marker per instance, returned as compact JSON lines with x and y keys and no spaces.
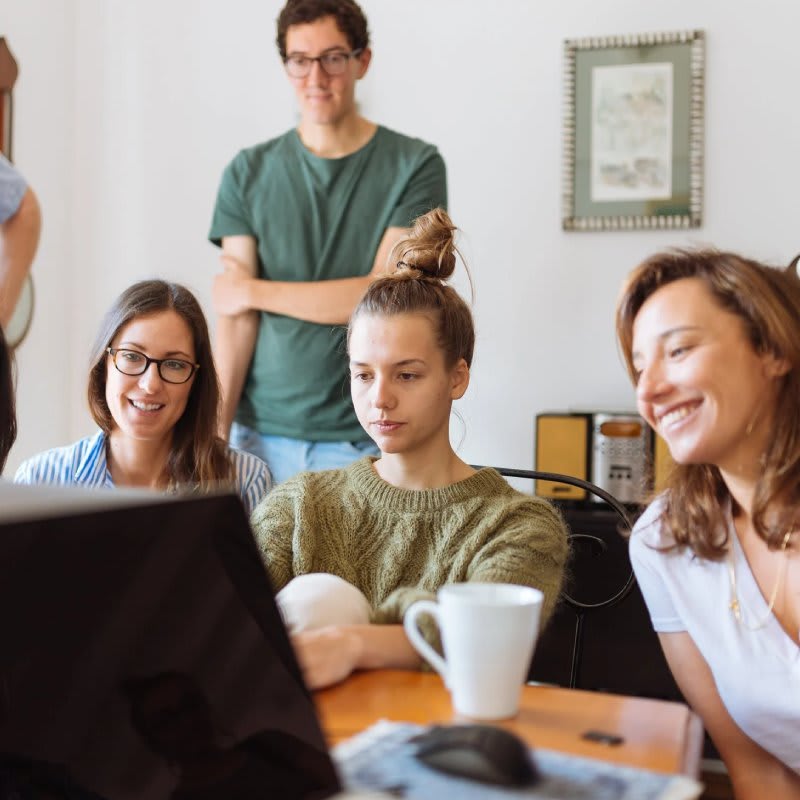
{"x":153,"y":392}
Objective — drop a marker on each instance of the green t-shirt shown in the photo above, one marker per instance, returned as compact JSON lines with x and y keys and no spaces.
{"x":317,"y":219}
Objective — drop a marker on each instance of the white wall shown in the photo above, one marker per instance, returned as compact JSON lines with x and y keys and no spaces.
{"x":127,"y":113}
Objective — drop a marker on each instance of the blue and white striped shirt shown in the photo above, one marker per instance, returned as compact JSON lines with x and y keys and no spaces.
{"x":84,"y":463}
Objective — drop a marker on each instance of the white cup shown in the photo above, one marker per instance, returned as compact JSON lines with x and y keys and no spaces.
{"x":488,"y":634}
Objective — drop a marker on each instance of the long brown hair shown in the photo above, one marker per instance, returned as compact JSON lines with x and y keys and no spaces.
{"x":767,"y":300}
{"x":8,"y":417}
{"x":426,"y":259}
{"x":199,"y":457}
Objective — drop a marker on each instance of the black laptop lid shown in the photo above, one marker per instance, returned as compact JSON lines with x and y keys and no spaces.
{"x":142,"y":656}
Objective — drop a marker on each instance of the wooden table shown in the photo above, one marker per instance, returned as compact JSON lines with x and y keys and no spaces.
{"x":657,"y":735}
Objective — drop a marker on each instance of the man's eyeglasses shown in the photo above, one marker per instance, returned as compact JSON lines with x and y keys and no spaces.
{"x":334,"y":63}
{"x":171,"y":370}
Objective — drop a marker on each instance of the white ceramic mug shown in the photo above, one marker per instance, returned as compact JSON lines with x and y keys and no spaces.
{"x":488,"y":634}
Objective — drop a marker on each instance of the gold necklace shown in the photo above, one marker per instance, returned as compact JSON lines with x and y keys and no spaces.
{"x":736,"y":607}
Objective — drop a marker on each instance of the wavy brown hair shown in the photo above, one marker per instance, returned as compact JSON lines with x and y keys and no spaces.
{"x":350,"y":20}
{"x":199,"y":458}
{"x":427,"y":258}
{"x":767,"y":300}
{"x":8,"y":416}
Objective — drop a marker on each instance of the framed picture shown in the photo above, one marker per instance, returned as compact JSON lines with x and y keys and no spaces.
{"x":633,"y":132}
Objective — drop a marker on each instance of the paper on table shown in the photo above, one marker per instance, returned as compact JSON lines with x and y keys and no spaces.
{"x":382,"y":759}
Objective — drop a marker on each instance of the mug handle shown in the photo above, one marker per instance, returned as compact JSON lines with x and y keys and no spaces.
{"x":418,"y":640}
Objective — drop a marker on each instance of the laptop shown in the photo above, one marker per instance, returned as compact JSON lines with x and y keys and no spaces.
{"x":143,"y":657}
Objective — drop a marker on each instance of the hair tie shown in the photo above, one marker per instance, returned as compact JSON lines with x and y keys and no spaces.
{"x":401,"y":264}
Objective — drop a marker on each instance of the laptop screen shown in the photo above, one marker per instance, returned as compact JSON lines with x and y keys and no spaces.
{"x":142,"y":656}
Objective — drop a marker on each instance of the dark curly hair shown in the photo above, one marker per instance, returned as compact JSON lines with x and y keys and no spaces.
{"x":349,"y":18}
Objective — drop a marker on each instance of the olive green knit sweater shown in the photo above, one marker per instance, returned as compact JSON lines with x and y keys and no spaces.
{"x":401,"y":545}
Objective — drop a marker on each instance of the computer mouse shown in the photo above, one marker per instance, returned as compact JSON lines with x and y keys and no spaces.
{"x":478,"y":752}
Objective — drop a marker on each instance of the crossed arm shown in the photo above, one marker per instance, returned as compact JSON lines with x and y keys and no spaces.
{"x":754,"y":772}
{"x":239,"y":295}
{"x":19,"y":237}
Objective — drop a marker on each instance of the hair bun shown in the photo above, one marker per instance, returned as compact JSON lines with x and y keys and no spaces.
{"x":430,"y":249}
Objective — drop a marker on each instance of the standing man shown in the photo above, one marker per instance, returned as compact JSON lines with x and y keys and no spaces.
{"x":20,"y":222}
{"x":305,"y":222}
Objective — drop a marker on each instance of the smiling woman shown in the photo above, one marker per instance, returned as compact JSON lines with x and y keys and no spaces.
{"x":712,"y":342}
{"x":153,"y":392}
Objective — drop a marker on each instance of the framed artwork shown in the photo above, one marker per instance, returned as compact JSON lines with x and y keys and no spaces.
{"x":633,"y":132}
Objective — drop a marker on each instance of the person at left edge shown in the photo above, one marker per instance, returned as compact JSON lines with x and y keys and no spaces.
{"x":153,"y":392}
{"x":20,"y":223}
{"x":8,"y":416}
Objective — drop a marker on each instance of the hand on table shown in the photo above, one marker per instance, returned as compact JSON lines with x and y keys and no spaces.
{"x":326,"y":655}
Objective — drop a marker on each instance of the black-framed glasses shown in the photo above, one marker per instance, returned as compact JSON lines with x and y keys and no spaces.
{"x":335,"y":63}
{"x":132,"y":362}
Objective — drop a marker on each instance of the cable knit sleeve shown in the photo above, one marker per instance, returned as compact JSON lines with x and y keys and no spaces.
{"x":516,"y":539}
{"x":274,"y":522}
{"x":529,"y":548}
{"x":392,"y":610}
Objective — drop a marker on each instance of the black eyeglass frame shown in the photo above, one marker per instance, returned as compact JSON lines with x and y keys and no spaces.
{"x":311,"y":59}
{"x":112,"y":351}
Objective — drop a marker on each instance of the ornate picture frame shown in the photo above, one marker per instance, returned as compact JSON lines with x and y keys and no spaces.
{"x":633,"y":131}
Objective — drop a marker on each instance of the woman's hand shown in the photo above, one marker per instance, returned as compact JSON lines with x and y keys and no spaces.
{"x":327,"y":655}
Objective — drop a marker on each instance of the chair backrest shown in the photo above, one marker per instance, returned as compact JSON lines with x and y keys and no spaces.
{"x":617,"y":650}
{"x":587,"y":547}
{"x":589,"y":544}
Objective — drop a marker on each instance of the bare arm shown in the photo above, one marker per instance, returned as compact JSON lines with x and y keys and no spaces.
{"x":328,"y":655}
{"x":19,"y":238}
{"x":235,"y":337}
{"x":328,"y":302}
{"x":755,"y":773}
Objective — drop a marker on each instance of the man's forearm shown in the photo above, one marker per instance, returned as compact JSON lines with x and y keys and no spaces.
{"x":324,"y":302}
{"x":234,"y":343}
{"x":19,"y":237}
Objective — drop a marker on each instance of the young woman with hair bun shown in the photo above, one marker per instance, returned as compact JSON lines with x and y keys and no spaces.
{"x":351,"y":549}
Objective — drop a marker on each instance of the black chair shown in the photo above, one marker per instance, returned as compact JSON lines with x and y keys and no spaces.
{"x":586,"y":546}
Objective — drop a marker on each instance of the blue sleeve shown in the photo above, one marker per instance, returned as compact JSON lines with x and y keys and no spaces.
{"x":26,"y":472}
{"x":44,"y":467}
{"x":252,"y":479}
{"x":12,"y":189}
